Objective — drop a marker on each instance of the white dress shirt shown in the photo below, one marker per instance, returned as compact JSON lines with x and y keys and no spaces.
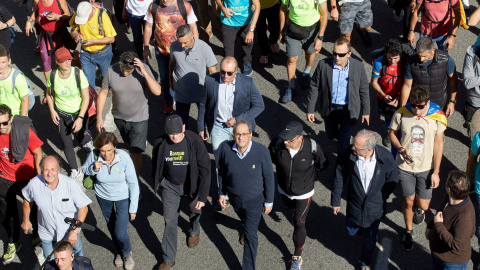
{"x":366,"y":169}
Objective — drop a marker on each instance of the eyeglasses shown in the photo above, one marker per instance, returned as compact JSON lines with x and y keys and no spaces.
{"x":128,"y":62}
{"x":5,"y":123}
{"x":418,"y":106}
{"x":340,"y":54}
{"x":239,"y":135}
{"x":358,"y":149}
{"x":290,"y":141}
{"x":229,"y":73}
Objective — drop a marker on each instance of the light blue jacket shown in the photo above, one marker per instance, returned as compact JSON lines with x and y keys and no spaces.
{"x":117,"y":181}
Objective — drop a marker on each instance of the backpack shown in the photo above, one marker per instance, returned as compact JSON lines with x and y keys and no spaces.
{"x":463,"y":19}
{"x":101,"y":9}
{"x":70,"y":8}
{"x":31,"y":96}
{"x":313,"y":151}
{"x":181,"y":8}
{"x":52,"y":80}
{"x":12,"y":33}
{"x":89,"y":180}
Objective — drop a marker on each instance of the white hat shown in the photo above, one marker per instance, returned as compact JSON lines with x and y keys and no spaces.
{"x":83,"y":12}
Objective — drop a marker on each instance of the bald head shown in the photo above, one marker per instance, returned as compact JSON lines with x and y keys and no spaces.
{"x":50,"y":169}
{"x":230,"y":61}
{"x":228,"y":69}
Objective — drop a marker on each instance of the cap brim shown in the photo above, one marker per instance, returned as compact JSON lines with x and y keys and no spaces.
{"x":80,"y":21}
{"x":287,"y":135}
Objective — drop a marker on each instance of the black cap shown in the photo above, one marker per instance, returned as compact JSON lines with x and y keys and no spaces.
{"x":291,"y":130}
{"x":174,"y":124}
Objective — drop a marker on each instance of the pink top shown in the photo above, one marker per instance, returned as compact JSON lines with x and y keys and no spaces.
{"x":437,"y":19}
{"x":46,"y":24}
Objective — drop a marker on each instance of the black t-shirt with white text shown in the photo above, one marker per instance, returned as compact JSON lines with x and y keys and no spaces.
{"x":176,"y":161}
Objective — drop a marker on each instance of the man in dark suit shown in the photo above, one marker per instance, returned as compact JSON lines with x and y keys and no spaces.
{"x":228,"y":97}
{"x":344,"y":93}
{"x":370,"y":175}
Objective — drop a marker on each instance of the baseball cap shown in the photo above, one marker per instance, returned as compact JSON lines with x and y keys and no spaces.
{"x":174,"y":124}
{"x":83,"y":12}
{"x":63,"y":54}
{"x":291,"y":130}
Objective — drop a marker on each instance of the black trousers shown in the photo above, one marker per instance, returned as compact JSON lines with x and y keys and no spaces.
{"x":271,"y":15}
{"x":230,"y":34}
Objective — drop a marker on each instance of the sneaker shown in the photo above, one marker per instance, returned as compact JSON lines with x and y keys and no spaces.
{"x":419,"y":216}
{"x":168,"y":108}
{"x":264,"y":59}
{"x":36,"y":242}
{"x":128,"y":261}
{"x":11,"y":251}
{"x":364,"y":267}
{"x":128,"y":30}
{"x":407,"y":241}
{"x":306,"y":77}
{"x":75,"y":173}
{"x":398,"y":18}
{"x":118,"y":262}
{"x":288,"y":95}
{"x":275,"y":48}
{"x":88,"y":147}
{"x":247,"y":69}
{"x":364,"y":35}
{"x":297,"y":262}
{"x":217,"y":207}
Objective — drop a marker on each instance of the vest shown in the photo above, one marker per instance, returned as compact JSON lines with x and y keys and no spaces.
{"x":391,"y":77}
{"x":434,"y":77}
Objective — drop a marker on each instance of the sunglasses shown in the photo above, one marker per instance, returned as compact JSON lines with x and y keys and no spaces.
{"x":229,"y":73}
{"x":5,"y":123}
{"x":340,"y":54}
{"x":418,"y":106}
{"x":128,"y":62}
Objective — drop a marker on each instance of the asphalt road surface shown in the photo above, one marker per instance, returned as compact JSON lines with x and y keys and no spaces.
{"x":327,"y":246}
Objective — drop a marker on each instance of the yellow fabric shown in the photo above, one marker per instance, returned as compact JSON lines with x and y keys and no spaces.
{"x":90,"y":30}
{"x":267,"y":3}
{"x":435,"y":116}
{"x":463,"y":21}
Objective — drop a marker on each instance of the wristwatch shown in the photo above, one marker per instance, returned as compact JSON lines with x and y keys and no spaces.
{"x":252,"y":30}
{"x":453,"y":101}
{"x":320,"y":37}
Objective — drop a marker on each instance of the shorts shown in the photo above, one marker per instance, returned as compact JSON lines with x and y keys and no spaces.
{"x":416,"y":183}
{"x":294,"y":46}
{"x":350,"y":12}
{"x":134,"y":134}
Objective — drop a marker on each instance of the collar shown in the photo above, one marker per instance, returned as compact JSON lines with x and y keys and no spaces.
{"x":346,"y":68}
{"x":233,"y":83}
{"x":234,"y":148}
{"x":194,"y":47}
{"x":115,"y":159}
{"x":371,"y":159}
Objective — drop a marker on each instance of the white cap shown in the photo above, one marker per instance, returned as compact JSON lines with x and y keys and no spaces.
{"x":83,"y":12}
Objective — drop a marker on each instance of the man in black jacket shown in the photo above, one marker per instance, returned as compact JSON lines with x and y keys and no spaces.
{"x":370,"y":175}
{"x":181,"y":167}
{"x":296,"y":160}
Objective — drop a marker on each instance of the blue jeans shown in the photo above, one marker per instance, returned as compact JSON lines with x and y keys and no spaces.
{"x":117,"y":217}
{"x":369,"y":239}
{"x":91,"y":61}
{"x":137,"y":24}
{"x":339,"y":125}
{"x":163,"y":62}
{"x":47,"y":246}
{"x":439,"y":40}
{"x":220,"y":133}
{"x":440,"y":265}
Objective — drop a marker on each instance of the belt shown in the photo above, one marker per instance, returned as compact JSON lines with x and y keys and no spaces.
{"x":335,"y":106}
{"x":175,"y":183}
{"x":99,"y":51}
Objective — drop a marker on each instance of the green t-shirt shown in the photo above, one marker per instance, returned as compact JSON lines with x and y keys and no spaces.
{"x":10,"y":98}
{"x":68,"y":97}
{"x":304,"y":12}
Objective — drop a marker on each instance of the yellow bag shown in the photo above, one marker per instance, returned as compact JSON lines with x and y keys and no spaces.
{"x":463,"y":21}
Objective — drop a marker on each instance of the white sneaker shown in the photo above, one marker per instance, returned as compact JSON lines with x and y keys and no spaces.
{"x":75,"y":173}
{"x":88,"y":147}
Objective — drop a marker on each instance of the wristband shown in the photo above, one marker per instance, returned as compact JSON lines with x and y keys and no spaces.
{"x":333,"y":7}
{"x":81,"y":117}
{"x":412,"y":30}
{"x":453,"y":35}
{"x":400,"y":149}
{"x":77,"y":233}
{"x":452,"y":101}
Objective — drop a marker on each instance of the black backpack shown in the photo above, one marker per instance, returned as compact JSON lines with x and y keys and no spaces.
{"x":181,"y":8}
{"x":52,"y":80}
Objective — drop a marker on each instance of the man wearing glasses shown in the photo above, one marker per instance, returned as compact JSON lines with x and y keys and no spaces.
{"x":130,"y":80}
{"x":341,"y":85}
{"x":422,"y":124}
{"x":245,"y":173}
{"x":228,"y":97}
{"x":296,"y":159}
{"x":369,"y":175}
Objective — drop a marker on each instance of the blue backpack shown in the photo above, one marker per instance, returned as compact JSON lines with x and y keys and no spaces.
{"x":31,"y":96}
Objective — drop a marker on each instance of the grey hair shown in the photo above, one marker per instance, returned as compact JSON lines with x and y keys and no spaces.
{"x":371,"y":139}
{"x":424,"y":44}
{"x":183,"y":30}
{"x":59,"y":162}
{"x":242,"y":122}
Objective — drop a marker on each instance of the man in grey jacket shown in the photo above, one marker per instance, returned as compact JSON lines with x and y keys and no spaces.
{"x":344,"y":93}
{"x":471,"y":79}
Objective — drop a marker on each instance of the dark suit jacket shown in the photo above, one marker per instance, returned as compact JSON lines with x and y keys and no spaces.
{"x":247,"y":104}
{"x":358,"y":88}
{"x":365,"y":209}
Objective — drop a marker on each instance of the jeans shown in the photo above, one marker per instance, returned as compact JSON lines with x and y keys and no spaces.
{"x":271,"y":15}
{"x":440,"y":265}
{"x":339,"y":125}
{"x":47,"y":246}
{"x":91,"y":61}
{"x":439,"y":40}
{"x":171,"y":197}
{"x":220,"y":133}
{"x":117,"y":217}
{"x":137,"y":24}
{"x":163,"y":70}
{"x":369,"y":239}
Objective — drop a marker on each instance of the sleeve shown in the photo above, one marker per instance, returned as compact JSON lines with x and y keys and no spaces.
{"x":336,"y":196}
{"x":83,"y":80}
{"x":268,"y":177}
{"x":49,"y":84}
{"x":408,"y":72}
{"x":469,"y":78}
{"x":377,"y":67}
{"x":202,"y":105}
{"x":148,"y":17}
{"x":391,"y":177}
{"x":211,"y":60}
{"x":272,"y":149}
{"x":106,"y":79}
{"x":395,"y":124}
{"x":285,"y":2}
{"x":132,"y":182}
{"x":34,"y":142}
{"x":78,"y":196}
{"x":27,"y":191}
{"x":314,"y":86}
{"x":475,"y":143}
{"x":321,"y":161}
{"x":6,"y":13}
{"x":21,"y":85}
{"x":149,"y":71}
{"x":441,"y":127}
{"x":107,"y":26}
{"x":191,"y":18}
{"x":87,"y":167}
{"x":458,"y":234}
{"x":364,"y":91}
{"x":450,"y":65}
{"x":256,"y":103}
{"x":222,"y":171}
{"x":204,"y":167}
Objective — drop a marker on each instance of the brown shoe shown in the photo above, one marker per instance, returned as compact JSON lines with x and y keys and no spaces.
{"x":166,"y":265}
{"x":242,"y":239}
{"x":193,"y":240}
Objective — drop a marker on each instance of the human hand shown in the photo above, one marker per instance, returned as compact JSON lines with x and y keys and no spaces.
{"x":336,"y":209}
{"x":311,"y":117}
{"x":450,"y":110}
{"x":146,"y":53}
{"x":411,"y":37}
{"x":26,"y":226}
{"x":334,"y":14}
{"x":28,"y":28}
{"x":449,"y":43}
{"x":77,"y":125}
{"x":79,"y":38}
{"x":89,"y":42}
{"x":52,"y":16}
{"x":317,"y":45}
{"x":97,"y":166}
{"x":72,"y":238}
{"x":55,"y":117}
{"x":132,"y":216}
{"x":405,"y":155}
{"x":438,"y":217}
{"x":199,"y":205}
{"x":203,"y":135}
{"x":249,"y":37}
{"x":281,"y":37}
{"x":412,"y":6}
{"x":139,"y":64}
{"x":222,"y":200}
{"x":124,"y":14}
{"x":227,"y":12}
{"x":99,"y":124}
{"x":366,"y":118}
{"x":435,"y":179}
{"x":230,"y":122}
{"x":267,"y":209}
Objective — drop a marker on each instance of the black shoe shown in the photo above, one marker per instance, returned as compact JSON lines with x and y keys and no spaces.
{"x":407,"y":241}
{"x":419,"y":216}
{"x":364,"y":35}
